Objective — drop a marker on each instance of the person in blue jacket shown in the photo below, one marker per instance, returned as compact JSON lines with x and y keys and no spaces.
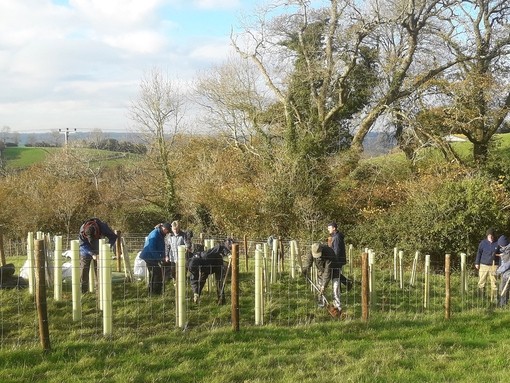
{"x":91,"y":231}
{"x":487,"y":262}
{"x":153,"y":253}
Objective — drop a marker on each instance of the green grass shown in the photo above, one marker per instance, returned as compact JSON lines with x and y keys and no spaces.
{"x":24,"y":157}
{"x":401,"y":342}
{"x":465,"y":349}
{"x":20,"y":158}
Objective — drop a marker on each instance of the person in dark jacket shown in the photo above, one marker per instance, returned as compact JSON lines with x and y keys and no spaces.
{"x":208,"y":262}
{"x":337,"y":243}
{"x":153,"y":253}
{"x":328,"y":268}
{"x":487,"y":262}
{"x":91,"y":231}
{"x":504,"y":270}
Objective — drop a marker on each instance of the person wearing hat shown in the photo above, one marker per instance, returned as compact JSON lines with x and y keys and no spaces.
{"x":91,"y":231}
{"x":337,"y":243}
{"x":153,"y":253}
{"x":486,"y":262}
{"x":328,"y":268}
{"x":504,"y":270}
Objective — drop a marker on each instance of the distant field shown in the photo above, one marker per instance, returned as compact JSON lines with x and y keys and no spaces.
{"x":23,"y":157}
{"x":19,"y":158}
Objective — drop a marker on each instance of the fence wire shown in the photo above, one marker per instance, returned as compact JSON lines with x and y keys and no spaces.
{"x":287,"y":301}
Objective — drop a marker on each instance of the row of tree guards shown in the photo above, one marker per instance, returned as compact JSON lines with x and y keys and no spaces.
{"x":269,"y":264}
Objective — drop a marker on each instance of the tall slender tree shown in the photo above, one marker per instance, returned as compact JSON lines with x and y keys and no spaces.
{"x":159,"y":112}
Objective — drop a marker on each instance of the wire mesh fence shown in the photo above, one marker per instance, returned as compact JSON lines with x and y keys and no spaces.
{"x":288,"y":299}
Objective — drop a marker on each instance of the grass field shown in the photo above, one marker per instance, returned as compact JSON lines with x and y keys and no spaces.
{"x":469,"y":348}
{"x":21,"y":157}
{"x":298,"y":342}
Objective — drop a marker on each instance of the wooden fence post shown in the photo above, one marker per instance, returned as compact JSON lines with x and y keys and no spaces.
{"x":2,"y":253}
{"x":40,"y":294}
{"x":235,"y":287}
{"x":246,"y":251}
{"x":118,"y":250}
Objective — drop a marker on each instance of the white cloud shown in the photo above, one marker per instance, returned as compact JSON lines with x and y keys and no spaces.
{"x":216,"y":50}
{"x":117,"y":12}
{"x":218,"y":4}
{"x":22,"y":22}
{"x":79,"y":63}
{"x":141,"y":41}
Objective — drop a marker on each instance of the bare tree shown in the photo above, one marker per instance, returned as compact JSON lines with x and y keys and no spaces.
{"x":477,"y":93}
{"x":310,"y":60}
{"x":410,"y":40}
{"x":404,"y":34}
{"x":158,"y":112}
{"x":96,"y":137}
{"x":234,"y":104}
{"x":5,"y":133}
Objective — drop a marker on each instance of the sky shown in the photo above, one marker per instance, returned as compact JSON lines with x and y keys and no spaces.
{"x":77,"y":64}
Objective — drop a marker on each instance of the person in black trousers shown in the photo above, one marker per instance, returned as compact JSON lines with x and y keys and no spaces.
{"x":337,"y":243}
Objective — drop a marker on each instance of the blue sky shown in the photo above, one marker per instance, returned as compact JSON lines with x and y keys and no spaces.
{"x":77,"y":63}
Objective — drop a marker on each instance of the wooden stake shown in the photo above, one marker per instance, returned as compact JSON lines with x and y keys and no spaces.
{"x":118,"y":250}
{"x":2,"y":253}
{"x":235,"y":287}
{"x":246,"y":251}
{"x":40,"y":295}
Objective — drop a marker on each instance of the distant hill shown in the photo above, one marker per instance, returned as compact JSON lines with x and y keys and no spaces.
{"x":59,"y":137}
{"x":376,"y":143}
